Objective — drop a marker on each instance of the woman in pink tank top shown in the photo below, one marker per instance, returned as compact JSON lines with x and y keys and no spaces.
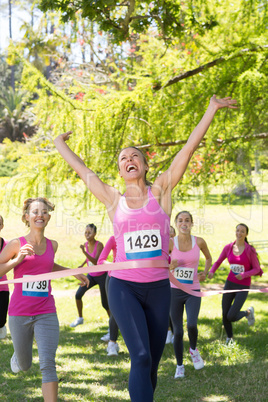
{"x":244,"y":264}
{"x":185,"y":253}
{"x":140,"y":300}
{"x":4,"y":291}
{"x":32,"y":311}
{"x":92,"y":250}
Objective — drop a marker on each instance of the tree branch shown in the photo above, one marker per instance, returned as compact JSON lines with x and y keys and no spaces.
{"x":218,"y":141}
{"x":206,"y":66}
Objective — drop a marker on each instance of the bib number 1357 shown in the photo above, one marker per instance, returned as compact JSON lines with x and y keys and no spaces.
{"x":142,"y":244}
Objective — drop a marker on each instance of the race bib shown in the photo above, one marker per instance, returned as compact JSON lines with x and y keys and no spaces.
{"x":37,"y":289}
{"x":143,"y":244}
{"x":89,"y":263}
{"x":184,"y":275}
{"x":237,"y":269}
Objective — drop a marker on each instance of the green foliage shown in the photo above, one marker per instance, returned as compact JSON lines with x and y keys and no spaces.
{"x":8,"y":168}
{"x":120,"y":20}
{"x":15,"y":123}
{"x":130,"y":109}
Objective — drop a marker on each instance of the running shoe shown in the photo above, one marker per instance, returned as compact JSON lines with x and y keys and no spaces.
{"x":3,"y":332}
{"x":179,"y":372}
{"x":229,"y":341}
{"x":106,"y":337}
{"x":14,"y":364}
{"x":169,"y":337}
{"x":197,"y":359}
{"x":78,"y":321}
{"x":251,"y":317}
{"x":112,"y":349}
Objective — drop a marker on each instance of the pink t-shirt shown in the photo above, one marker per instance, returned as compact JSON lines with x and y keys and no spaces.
{"x":187,"y":270}
{"x":33,"y":298}
{"x":89,"y":263}
{"x":247,"y":264}
{"x":141,"y":234}
{"x":3,"y":288}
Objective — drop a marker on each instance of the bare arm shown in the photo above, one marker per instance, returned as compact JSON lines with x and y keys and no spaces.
{"x":204,"y":248}
{"x":170,"y":178}
{"x":13,"y":254}
{"x":94,"y":260}
{"x":104,"y":193}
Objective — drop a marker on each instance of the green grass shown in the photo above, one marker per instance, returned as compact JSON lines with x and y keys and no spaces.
{"x":86,"y":373}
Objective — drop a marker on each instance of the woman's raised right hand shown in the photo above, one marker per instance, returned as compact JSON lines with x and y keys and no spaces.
{"x":27,"y":249}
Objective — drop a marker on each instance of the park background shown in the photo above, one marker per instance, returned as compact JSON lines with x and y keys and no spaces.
{"x":139,"y":73}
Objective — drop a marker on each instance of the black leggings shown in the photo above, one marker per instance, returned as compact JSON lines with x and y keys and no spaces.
{"x":113,"y":327}
{"x":93,"y":281}
{"x":179,"y":298}
{"x":4,"y":301}
{"x":141,"y":311}
{"x":231,"y":306}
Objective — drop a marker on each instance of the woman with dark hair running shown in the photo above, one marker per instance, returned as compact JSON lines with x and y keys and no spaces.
{"x":140,"y":298}
{"x":244,"y":264}
{"x":91,"y":250}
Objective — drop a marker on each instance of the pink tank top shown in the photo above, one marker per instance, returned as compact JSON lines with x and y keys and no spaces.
{"x":33,"y":298}
{"x":3,"y":288}
{"x":187,"y":270}
{"x":140,"y":234}
{"x":89,"y":263}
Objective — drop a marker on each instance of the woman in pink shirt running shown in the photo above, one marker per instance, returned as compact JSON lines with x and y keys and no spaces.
{"x":32,"y":311}
{"x":139,"y":298}
{"x":244,"y":264}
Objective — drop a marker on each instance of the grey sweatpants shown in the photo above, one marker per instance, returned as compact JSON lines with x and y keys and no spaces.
{"x":45,"y":329}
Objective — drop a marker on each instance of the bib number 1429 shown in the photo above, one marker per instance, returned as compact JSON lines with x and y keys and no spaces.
{"x":142,"y":244}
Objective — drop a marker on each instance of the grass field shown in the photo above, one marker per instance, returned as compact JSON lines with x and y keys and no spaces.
{"x":236,"y":373}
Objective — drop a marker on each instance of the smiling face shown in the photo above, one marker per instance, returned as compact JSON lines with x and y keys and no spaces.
{"x":89,"y":233}
{"x":184,"y":223}
{"x":132,"y":164}
{"x":38,"y":215}
{"x":241,"y":232}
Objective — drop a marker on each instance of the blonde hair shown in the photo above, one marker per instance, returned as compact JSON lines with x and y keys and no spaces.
{"x":27,"y":203}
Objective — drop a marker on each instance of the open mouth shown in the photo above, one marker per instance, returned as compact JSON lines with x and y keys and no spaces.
{"x":131,"y":168}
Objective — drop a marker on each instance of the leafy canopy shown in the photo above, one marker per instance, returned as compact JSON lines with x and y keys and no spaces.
{"x":120,"y":18}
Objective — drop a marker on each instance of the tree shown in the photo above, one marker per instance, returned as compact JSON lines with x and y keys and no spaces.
{"x":120,"y":18}
{"x":157,"y":98}
{"x":15,"y":122}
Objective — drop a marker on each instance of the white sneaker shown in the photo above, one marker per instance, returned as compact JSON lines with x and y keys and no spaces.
{"x":14,"y":364}
{"x":251,"y":317}
{"x":169,"y":337}
{"x":78,"y":321}
{"x":179,"y":372}
{"x":106,"y":337}
{"x":197,"y":359}
{"x":3,"y":332}
{"x":112,"y":349}
{"x":229,"y":341}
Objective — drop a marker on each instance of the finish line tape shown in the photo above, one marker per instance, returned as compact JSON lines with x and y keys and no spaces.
{"x":125,"y":265}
